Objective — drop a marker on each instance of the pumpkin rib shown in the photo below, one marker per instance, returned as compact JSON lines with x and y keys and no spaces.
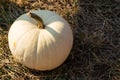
{"x":40,"y":38}
{"x":15,"y":40}
{"x":47,"y":48}
{"x":23,"y":36}
{"x":24,"y":55}
{"x":45,"y":44}
{"x":49,"y":30}
{"x":36,"y":50}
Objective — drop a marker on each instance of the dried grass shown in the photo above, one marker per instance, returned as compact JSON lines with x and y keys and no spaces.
{"x":96,"y":51}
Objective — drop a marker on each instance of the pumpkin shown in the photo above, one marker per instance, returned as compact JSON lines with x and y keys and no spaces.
{"x":40,"y":39}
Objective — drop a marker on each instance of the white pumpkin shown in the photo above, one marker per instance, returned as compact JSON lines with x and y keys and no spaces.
{"x":40,"y":48}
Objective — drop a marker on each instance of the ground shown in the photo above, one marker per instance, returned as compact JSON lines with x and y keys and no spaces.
{"x":96,"y":51}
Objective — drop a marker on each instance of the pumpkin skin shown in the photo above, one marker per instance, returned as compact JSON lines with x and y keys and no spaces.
{"x":40,"y":49}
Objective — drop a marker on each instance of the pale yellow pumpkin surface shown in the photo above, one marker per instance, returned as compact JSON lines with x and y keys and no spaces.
{"x":40,"y":49}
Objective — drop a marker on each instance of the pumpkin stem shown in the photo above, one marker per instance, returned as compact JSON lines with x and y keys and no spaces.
{"x":38,"y":19}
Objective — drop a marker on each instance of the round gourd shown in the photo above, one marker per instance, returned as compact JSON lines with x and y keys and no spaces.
{"x":40,"y":39}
